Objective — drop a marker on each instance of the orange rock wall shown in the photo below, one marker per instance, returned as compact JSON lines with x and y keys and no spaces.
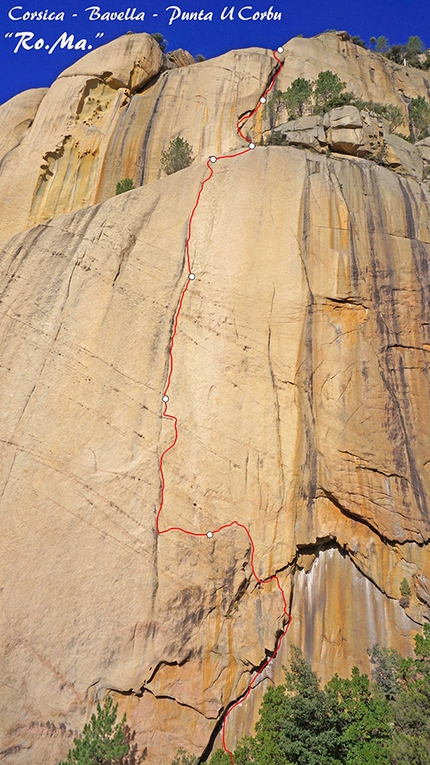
{"x":300,"y":387}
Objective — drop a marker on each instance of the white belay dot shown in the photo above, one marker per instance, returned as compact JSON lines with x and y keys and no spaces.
{"x":165,"y":399}
{"x":212,"y":159}
{"x":209,"y":534}
{"x":280,"y":49}
{"x":252,"y":145}
{"x":262,"y":100}
{"x":191,"y":276}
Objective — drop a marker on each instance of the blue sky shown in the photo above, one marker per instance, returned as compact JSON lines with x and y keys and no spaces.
{"x":32,"y":54}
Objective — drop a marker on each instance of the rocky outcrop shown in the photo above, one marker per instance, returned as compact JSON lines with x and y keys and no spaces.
{"x":17,"y":117}
{"x":112,"y":114}
{"x":368,"y":75}
{"x":346,"y":130}
{"x":58,"y":164}
{"x":301,"y":391}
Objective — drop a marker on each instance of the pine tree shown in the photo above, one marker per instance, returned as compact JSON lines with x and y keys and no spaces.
{"x":298,"y":723}
{"x":329,"y":92}
{"x":220,"y":757}
{"x":102,"y":742}
{"x":297,"y":97}
{"x":420,"y":116}
{"x":178,"y":155}
{"x":411,"y":738}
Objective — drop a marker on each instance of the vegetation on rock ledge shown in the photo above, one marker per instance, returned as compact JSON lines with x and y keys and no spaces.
{"x":309,"y":97}
{"x":382,"y":720}
{"x":126,"y":184}
{"x":178,"y":155}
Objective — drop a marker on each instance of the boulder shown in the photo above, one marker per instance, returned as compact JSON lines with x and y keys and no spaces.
{"x":423,"y":148}
{"x":307,"y":122}
{"x":127,"y":62}
{"x":345,"y":140}
{"x":303,"y":138}
{"x":179,"y":57}
{"x":343,"y":117}
{"x":309,"y":125}
{"x":402,"y":156}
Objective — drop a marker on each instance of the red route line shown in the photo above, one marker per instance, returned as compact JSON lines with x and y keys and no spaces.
{"x":274,"y":577}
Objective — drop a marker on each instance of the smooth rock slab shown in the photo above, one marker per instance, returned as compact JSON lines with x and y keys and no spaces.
{"x":301,"y":391}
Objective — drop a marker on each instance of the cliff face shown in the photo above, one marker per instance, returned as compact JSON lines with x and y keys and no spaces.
{"x":110,"y":115}
{"x":301,"y":388}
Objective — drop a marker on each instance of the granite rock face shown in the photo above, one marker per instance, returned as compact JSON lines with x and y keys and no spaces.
{"x":346,"y":130}
{"x":111,"y":114}
{"x":301,"y":388}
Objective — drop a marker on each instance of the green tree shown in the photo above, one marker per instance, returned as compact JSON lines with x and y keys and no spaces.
{"x":183,"y":757}
{"x":386,"y":670}
{"x":297,"y":98}
{"x":329,"y":92}
{"x":298,"y":723}
{"x":396,"y":53}
{"x":413,"y":49}
{"x":365,"y":718}
{"x":275,"y":107}
{"x":178,"y":155}
{"x":411,"y":736}
{"x":103,"y":741}
{"x":420,"y":116}
{"x":358,"y":41}
{"x":220,"y":757}
{"x":126,"y":184}
{"x":381,"y":44}
{"x":158,"y":37}
{"x":404,"y":588}
{"x":393,"y":114}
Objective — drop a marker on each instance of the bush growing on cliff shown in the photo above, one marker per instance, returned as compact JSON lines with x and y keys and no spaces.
{"x":178,"y":155}
{"x":126,"y":184}
{"x":410,"y":53}
{"x":103,"y":741}
{"x":182,"y":757}
{"x":158,"y":37}
{"x":276,"y":138}
{"x":420,"y":116}
{"x":393,"y":114}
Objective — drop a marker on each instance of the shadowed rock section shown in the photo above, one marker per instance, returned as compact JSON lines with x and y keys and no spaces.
{"x":302,"y":394}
